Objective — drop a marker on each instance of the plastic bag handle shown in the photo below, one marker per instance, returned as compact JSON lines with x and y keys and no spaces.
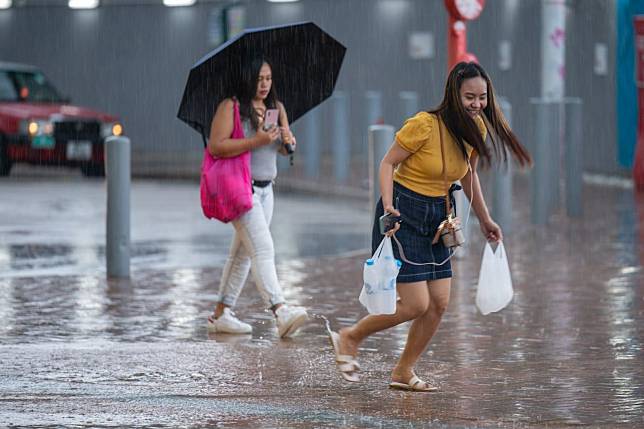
{"x":376,"y":254}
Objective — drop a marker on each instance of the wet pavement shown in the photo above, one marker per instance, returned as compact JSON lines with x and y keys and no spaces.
{"x":78,"y":350}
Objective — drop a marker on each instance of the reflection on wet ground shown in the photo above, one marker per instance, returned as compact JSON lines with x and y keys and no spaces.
{"x":55,"y":226}
{"x":78,"y":350}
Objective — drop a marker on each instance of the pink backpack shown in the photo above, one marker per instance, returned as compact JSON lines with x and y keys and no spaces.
{"x":226,"y":190}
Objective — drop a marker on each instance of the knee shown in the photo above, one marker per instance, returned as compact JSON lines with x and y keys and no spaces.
{"x":414,"y":310}
{"x":265,"y":253}
{"x":263,"y":249}
{"x":437,"y":308}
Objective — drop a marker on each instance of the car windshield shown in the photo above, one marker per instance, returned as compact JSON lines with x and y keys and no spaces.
{"x":27,"y":86}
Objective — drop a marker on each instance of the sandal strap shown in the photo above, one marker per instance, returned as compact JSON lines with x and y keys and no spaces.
{"x":415,"y":381}
{"x":348,"y":360}
{"x":347,"y":367}
{"x":344,"y":359}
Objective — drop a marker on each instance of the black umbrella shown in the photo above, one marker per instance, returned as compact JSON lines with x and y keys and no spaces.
{"x":306,"y":62}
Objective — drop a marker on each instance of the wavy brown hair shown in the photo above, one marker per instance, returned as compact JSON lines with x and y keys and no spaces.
{"x":464,"y":129}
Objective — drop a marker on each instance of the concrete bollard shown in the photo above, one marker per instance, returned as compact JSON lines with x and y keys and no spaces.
{"x":380,"y":139}
{"x":117,"y":170}
{"x":574,"y":156}
{"x":340,"y":135}
{"x":311,"y":147}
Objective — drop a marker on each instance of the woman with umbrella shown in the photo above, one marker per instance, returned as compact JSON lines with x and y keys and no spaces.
{"x":308,"y":62}
{"x":252,"y":246}
{"x":430,"y":152}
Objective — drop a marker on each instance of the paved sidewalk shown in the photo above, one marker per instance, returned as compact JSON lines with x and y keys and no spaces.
{"x":80,"y":351}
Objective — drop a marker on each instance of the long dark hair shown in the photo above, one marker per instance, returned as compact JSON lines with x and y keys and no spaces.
{"x":464,"y":129}
{"x":248,"y":88}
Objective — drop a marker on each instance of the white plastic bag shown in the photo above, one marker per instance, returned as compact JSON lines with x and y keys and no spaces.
{"x":378,"y":292}
{"x":494,"y":291}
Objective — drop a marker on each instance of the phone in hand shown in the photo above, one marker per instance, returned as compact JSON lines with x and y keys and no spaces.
{"x":270,"y":119}
{"x":388,"y":221}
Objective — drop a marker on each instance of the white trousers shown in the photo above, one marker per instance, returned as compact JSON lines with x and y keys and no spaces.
{"x":252,"y":250}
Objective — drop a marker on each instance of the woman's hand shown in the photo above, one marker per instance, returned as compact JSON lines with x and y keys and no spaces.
{"x":288,"y":137}
{"x":390,"y":209}
{"x":491,"y":231}
{"x":264,"y":138}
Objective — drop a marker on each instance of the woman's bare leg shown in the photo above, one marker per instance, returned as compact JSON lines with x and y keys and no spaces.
{"x":414,"y":299}
{"x":422,"y":329}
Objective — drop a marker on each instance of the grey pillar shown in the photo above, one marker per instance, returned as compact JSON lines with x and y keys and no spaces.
{"x":311,"y":143}
{"x":117,"y":169}
{"x":556,"y":155}
{"x":573,"y":156}
{"x":502,"y":192}
{"x":340,"y":135}
{"x":380,"y":139}
{"x":547,"y":133}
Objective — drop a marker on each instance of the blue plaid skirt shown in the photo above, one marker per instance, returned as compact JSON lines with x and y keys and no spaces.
{"x":421,"y":215}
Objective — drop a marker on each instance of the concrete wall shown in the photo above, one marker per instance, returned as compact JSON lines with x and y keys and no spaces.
{"x":133,"y":60}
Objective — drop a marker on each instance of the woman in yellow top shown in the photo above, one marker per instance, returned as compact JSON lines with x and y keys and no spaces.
{"x":412,"y":187}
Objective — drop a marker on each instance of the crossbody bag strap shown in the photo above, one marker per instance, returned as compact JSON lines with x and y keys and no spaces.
{"x":448,"y":204}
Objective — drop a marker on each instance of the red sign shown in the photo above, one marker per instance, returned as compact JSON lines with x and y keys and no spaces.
{"x":638,"y":25}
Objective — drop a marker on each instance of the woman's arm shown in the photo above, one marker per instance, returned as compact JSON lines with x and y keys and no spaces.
{"x":472,"y":189}
{"x":221,"y":145}
{"x":285,"y":131}
{"x":393,"y":157}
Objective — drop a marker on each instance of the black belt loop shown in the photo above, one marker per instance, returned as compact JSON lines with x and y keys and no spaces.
{"x":261,"y":183}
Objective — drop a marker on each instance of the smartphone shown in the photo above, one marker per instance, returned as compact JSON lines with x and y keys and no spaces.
{"x":388,"y":221}
{"x":270,"y":119}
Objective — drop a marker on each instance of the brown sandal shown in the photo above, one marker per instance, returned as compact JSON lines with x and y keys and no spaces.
{"x":415,"y":384}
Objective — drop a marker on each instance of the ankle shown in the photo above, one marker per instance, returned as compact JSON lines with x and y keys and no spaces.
{"x":219,"y":309}
{"x":404,"y":372}
{"x":349,"y":334}
{"x":276,"y":307}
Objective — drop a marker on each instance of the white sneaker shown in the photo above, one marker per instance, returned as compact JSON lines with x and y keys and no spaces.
{"x":289,"y":319}
{"x":228,"y":323}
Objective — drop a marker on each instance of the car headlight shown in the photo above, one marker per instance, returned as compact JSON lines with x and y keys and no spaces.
{"x":37,"y":127}
{"x":111,"y":129}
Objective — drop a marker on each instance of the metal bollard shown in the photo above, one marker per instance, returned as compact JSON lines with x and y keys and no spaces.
{"x":502,"y":192}
{"x":117,"y":170}
{"x":574,"y":156}
{"x":408,"y":105}
{"x":312,"y":150}
{"x":340,"y":133}
{"x":380,"y":139}
{"x":372,"y":114}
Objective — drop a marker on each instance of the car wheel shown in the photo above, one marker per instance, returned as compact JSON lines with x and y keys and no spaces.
{"x":93,"y":170}
{"x":5,"y":162}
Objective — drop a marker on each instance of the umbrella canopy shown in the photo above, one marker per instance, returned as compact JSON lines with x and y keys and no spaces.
{"x":305,"y":66}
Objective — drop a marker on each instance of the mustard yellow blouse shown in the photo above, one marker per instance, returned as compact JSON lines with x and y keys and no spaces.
{"x":422,"y":171}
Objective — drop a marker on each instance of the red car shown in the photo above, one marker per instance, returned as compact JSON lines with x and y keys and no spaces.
{"x":38,"y":126}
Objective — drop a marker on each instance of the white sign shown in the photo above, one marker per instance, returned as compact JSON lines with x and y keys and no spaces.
{"x":421,"y":45}
{"x":601,"y":59}
{"x":505,"y":55}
